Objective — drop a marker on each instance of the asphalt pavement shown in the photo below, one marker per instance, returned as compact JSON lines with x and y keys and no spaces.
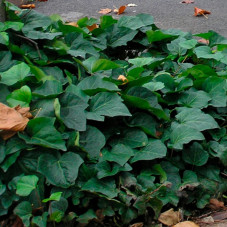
{"x":167,"y":13}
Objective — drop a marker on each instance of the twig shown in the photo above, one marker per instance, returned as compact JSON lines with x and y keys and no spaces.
{"x":180,"y":65}
{"x":204,"y":15}
{"x":38,"y":112}
{"x":33,"y":42}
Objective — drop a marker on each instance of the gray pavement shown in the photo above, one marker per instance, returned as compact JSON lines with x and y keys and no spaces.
{"x":167,"y":13}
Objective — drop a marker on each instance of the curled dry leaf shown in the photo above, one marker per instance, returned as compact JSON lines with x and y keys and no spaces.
{"x":92,"y":27}
{"x":13,"y":120}
{"x":105,"y":11}
{"x":186,"y":224}
{"x":187,"y":2}
{"x":120,"y":10}
{"x":199,"y":12}
{"x":216,"y":204}
{"x":170,"y":217}
{"x":122,"y":78}
{"x":28,"y":6}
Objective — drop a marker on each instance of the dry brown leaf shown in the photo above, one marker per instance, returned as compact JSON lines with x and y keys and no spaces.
{"x":105,"y":11}
{"x":92,"y":27}
{"x":120,"y":10}
{"x":139,"y":224}
{"x":187,"y":2}
{"x":216,"y":204}
{"x":170,"y":217}
{"x":199,"y":12}
{"x":28,"y":6}
{"x":13,"y":120}
{"x":186,"y":224}
{"x":42,"y":0}
{"x":205,"y":41}
{"x":72,"y":24}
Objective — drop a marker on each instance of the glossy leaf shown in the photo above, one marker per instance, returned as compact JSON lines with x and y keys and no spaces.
{"x":60,"y":170}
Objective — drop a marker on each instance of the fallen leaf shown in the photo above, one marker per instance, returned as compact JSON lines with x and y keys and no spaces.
{"x":186,"y":224}
{"x":99,"y":214}
{"x":218,"y":216}
{"x":207,"y":220}
{"x":199,"y":12}
{"x":158,"y":133}
{"x":28,"y":6}
{"x":205,"y":41}
{"x":72,"y":24}
{"x":13,"y":120}
{"x":105,"y":11}
{"x":122,"y":78}
{"x":187,"y":2}
{"x":216,"y":204}
{"x":120,"y":10}
{"x":131,"y":5}
{"x":170,"y":217}
{"x":92,"y":27}
{"x":139,"y":224}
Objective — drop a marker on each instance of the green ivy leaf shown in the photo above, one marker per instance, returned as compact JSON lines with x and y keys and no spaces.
{"x":195,"y":119}
{"x":92,"y":141}
{"x":154,"y":36}
{"x":105,"y":169}
{"x":61,"y":171}
{"x":120,"y":154}
{"x":40,"y":221}
{"x":106,"y":187}
{"x":53,"y":197}
{"x":135,"y":22}
{"x":103,"y":64}
{"x":87,"y":216}
{"x":216,"y":88}
{"x":26,"y":185}
{"x":183,"y":134}
{"x":117,"y":36}
{"x":15,"y":74}
{"x":22,"y":97}
{"x":106,"y":104}
{"x":43,"y":133}
{"x":205,"y":52}
{"x":72,"y":111}
{"x":194,"y":98}
{"x":132,"y":138}
{"x":49,"y":89}
{"x":94,"y":84}
{"x":4,"y":38}
{"x":154,"y":149}
{"x":24,"y":211}
{"x":144,"y":121}
{"x":57,"y":209}
{"x":195,"y":155}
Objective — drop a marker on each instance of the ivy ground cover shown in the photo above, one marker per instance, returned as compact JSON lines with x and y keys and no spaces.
{"x":128,"y":120}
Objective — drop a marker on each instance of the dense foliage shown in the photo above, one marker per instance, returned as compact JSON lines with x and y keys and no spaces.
{"x":101,"y":145}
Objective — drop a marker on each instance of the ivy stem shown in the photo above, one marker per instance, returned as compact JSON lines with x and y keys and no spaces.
{"x":31,"y":41}
{"x":38,"y":198}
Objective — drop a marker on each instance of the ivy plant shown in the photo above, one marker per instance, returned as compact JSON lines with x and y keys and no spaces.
{"x":128,"y":119}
